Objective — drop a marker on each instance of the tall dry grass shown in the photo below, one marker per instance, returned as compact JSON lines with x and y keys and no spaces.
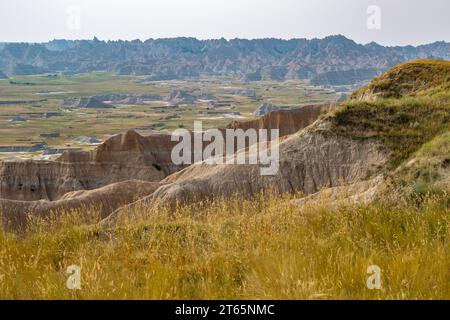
{"x":267,"y":248}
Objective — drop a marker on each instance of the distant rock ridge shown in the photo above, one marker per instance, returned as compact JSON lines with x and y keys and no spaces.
{"x":345,"y":77}
{"x":181,"y":58}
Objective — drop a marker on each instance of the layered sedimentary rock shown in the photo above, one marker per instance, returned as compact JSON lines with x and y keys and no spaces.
{"x":81,"y":179}
{"x":122,"y":157}
{"x":131,"y":150}
{"x":309,"y":161}
{"x":287,"y":121}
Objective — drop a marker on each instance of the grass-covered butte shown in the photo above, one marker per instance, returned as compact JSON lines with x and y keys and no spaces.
{"x":404,"y":108}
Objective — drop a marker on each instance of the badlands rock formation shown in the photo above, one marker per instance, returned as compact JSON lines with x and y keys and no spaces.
{"x":131,"y":151}
{"x":310,"y":160}
{"x":105,"y":177}
{"x":178,"y":58}
{"x":178,"y":97}
{"x":287,"y":121}
{"x":123,"y":157}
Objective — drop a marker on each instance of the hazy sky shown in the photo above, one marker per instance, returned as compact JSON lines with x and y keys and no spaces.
{"x":401,"y":21}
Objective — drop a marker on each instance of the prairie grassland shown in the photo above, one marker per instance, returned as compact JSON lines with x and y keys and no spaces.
{"x":72,"y":123}
{"x":266,"y":248}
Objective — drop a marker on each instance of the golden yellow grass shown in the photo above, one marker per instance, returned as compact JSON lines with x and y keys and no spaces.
{"x":266,"y":248}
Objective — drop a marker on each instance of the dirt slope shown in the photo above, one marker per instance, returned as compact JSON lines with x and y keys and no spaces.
{"x":13,"y":213}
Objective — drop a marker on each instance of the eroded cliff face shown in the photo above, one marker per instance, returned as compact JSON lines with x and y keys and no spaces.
{"x":123,"y":157}
{"x":36,"y":180}
{"x":310,"y":160}
{"x":130,"y":150}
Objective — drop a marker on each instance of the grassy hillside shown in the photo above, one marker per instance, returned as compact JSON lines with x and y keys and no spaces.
{"x":404,"y":108}
{"x":412,"y":78}
{"x":428,"y":171}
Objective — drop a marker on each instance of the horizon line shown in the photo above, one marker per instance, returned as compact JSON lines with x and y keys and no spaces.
{"x":95,"y":38}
